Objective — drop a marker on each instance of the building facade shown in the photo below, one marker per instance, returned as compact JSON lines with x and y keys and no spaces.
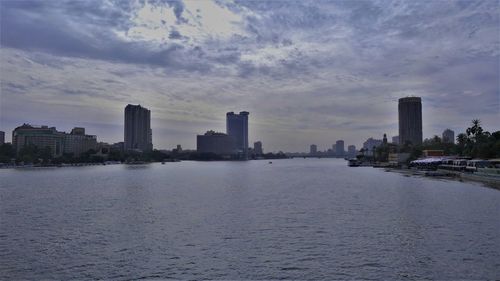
{"x":371,"y":143}
{"x":313,"y":149}
{"x":339,"y":148}
{"x":237,"y":128}
{"x":2,"y":137}
{"x":257,"y":148}
{"x":42,"y":137}
{"x":351,"y":150}
{"x":448,"y":136}
{"x":77,"y":142}
{"x":39,"y":136}
{"x":138,"y":134}
{"x":214,"y":142}
{"x":410,"y":120}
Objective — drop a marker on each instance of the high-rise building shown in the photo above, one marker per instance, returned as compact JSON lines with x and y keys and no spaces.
{"x":339,"y":148}
{"x":449,"y":136}
{"x":2,"y":137}
{"x":351,"y":150}
{"x":237,"y":128}
{"x":138,"y":134}
{"x":313,"y":149}
{"x":214,"y":142}
{"x":257,"y":148}
{"x":410,"y":120}
{"x":395,"y":140}
{"x":40,"y":136}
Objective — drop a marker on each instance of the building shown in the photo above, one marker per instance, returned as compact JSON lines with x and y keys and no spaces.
{"x":237,"y":128}
{"x":39,"y":136}
{"x":395,"y":140}
{"x":77,"y":142}
{"x":214,"y":142}
{"x":351,"y":150}
{"x":138,"y":134}
{"x":449,"y":136}
{"x":370,"y":144}
{"x":410,"y":120}
{"x":313,"y":149}
{"x":118,"y":146}
{"x":2,"y":137}
{"x":398,"y":158}
{"x":257,"y":148}
{"x":339,"y":148}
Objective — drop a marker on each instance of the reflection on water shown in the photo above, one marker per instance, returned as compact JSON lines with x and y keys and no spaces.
{"x":295,"y":219}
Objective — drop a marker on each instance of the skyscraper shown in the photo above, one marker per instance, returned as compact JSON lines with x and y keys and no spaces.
{"x":237,"y":127}
{"x":138,"y":134}
{"x":339,"y":148}
{"x":257,"y":148}
{"x":410,"y":120}
{"x":449,"y":136}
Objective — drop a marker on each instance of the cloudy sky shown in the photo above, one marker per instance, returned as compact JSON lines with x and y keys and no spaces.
{"x":307,"y":71}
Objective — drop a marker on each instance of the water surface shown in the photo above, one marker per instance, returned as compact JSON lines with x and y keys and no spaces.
{"x":293,"y":219}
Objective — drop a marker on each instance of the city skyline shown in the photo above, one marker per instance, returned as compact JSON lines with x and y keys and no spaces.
{"x":310,"y":72}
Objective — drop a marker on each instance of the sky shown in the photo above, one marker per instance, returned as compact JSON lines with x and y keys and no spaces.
{"x":309,"y":72}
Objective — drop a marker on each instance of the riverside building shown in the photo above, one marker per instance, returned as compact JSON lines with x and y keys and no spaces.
{"x":410,"y":120}
{"x":77,"y":142}
{"x":214,"y":142}
{"x":237,"y":128}
{"x":42,"y":137}
{"x":39,"y":136}
{"x":138,"y":133}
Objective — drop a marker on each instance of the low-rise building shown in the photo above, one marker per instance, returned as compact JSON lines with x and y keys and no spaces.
{"x":398,"y":158}
{"x":40,"y":136}
{"x":77,"y":142}
{"x":214,"y":142}
{"x":43,"y":137}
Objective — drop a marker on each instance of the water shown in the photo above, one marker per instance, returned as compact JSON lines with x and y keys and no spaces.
{"x":294,"y":219}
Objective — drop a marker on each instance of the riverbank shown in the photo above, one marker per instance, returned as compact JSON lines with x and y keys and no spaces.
{"x":450,"y":175}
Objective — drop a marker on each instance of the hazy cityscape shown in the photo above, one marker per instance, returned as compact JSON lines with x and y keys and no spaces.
{"x":249,"y":140}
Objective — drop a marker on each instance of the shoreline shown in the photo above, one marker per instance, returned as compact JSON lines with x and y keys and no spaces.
{"x":449,"y":175}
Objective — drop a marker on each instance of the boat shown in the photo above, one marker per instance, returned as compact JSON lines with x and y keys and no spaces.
{"x":353,"y":162}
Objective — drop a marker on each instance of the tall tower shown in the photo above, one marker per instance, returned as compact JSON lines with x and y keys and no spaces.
{"x":339,"y":148}
{"x":448,"y":136}
{"x":138,"y":134}
{"x":410,"y":120}
{"x":237,"y":127}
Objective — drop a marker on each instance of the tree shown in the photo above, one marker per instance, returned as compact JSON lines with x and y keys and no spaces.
{"x":7,"y":152}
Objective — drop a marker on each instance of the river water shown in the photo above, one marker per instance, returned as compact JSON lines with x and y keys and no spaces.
{"x":292,"y":219}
